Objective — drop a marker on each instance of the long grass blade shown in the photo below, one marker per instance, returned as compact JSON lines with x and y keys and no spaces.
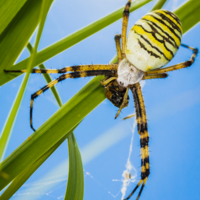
{"x":13,"y":39}
{"x":75,"y":183}
{"x":11,"y":117}
{"x":188,"y":14}
{"x":159,"y":5}
{"x":23,"y":177}
{"x":8,"y":10}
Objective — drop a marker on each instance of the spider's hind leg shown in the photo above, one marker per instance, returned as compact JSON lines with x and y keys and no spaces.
{"x":177,"y":66}
{"x":154,"y":76}
{"x":144,"y":137}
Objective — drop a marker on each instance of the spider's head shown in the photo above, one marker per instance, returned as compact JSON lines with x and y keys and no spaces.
{"x":128,"y":74}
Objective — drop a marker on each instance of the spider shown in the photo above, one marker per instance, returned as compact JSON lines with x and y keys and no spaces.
{"x":151,"y":44}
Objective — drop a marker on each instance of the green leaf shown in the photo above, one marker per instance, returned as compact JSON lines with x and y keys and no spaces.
{"x":23,"y":177}
{"x":159,"y":5}
{"x":8,"y":10}
{"x":69,"y":41}
{"x":75,"y":183}
{"x":13,"y":112}
{"x":13,"y":39}
{"x":188,"y":14}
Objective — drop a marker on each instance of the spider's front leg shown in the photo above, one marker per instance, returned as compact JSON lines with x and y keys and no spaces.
{"x":65,"y":76}
{"x":144,"y":137}
{"x":79,"y":71}
{"x":75,"y":68}
{"x":124,"y":26}
{"x":118,"y":47}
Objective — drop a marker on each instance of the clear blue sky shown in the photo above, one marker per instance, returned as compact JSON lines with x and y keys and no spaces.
{"x":172,"y":105}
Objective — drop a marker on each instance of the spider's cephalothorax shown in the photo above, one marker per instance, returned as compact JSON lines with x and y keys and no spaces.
{"x":128,"y":74}
{"x":151,"y":44}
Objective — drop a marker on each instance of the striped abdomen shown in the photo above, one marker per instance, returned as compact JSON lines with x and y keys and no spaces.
{"x":154,"y":40}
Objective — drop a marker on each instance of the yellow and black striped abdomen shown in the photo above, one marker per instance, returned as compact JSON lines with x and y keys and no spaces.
{"x":154,"y":40}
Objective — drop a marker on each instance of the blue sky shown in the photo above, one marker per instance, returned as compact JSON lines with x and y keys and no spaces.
{"x":172,"y":105}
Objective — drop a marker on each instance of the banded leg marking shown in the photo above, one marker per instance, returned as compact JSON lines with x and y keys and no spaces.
{"x":118,"y":47}
{"x":124,"y":26}
{"x":63,"y":77}
{"x":177,"y":66}
{"x":144,"y":137}
{"x":75,"y":68}
{"x":129,"y":116}
{"x":154,"y":76}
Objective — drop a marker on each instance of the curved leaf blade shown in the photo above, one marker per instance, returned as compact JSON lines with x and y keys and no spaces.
{"x":75,"y":183}
{"x":13,"y":112}
{"x":189,"y":15}
{"x":159,"y":5}
{"x":23,"y":177}
{"x":8,"y":10}
{"x":13,"y":39}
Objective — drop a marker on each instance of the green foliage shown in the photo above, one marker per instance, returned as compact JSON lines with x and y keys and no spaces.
{"x":26,"y":15}
{"x":22,"y":177}
{"x":189,"y":15}
{"x":159,"y":5}
{"x":75,"y":183}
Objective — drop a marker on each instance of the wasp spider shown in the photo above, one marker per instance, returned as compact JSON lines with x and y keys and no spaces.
{"x":151,"y":44}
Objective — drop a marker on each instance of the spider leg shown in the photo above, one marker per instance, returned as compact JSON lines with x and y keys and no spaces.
{"x":68,"y":69}
{"x":124,"y":26}
{"x":143,"y":184}
{"x":123,"y":103}
{"x":144,"y":137}
{"x":178,"y":66}
{"x":129,"y":116}
{"x":118,"y":47}
{"x":63,"y":77}
{"x":141,"y":123}
{"x":136,"y":187}
{"x":153,"y":76}
{"x":107,"y":80}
